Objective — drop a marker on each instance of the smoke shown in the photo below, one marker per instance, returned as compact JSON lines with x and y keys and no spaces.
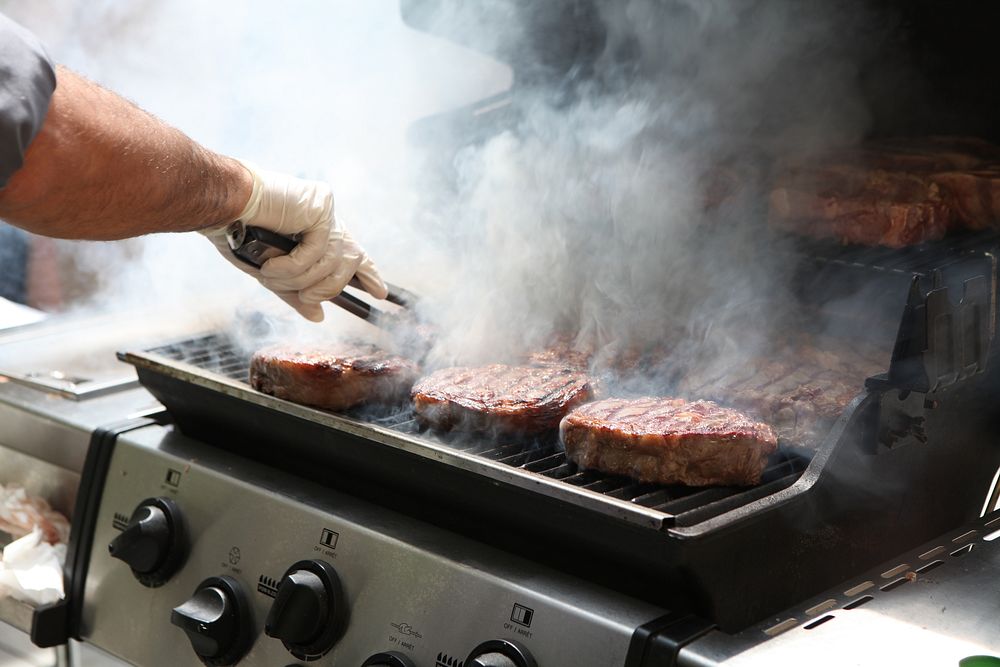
{"x":612,"y":196}
{"x":623,"y":206}
{"x":320,"y":90}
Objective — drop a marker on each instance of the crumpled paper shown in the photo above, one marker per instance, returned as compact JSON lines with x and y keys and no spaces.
{"x":31,"y":569}
{"x":21,"y":511}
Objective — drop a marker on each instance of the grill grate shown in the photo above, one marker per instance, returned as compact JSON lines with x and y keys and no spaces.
{"x":920,"y":259}
{"x":214,"y":353}
{"x":218,"y":354}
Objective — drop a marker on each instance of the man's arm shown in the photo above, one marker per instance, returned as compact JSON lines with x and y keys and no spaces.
{"x":103,"y":169}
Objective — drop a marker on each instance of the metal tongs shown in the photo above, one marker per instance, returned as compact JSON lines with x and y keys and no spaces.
{"x":254,"y":246}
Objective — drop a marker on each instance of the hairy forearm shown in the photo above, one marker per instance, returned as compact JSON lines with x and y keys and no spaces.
{"x":102,"y":169}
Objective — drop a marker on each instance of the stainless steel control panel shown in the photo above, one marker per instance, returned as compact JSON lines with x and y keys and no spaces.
{"x":427,"y":596}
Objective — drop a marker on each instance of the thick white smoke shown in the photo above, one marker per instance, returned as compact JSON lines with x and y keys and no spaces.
{"x":323,"y":90}
{"x":623,"y":208}
{"x":615,"y":204}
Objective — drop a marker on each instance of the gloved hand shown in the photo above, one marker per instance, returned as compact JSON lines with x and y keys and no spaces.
{"x":326,"y":257}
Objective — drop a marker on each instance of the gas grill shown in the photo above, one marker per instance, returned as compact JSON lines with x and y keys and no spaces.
{"x":225,"y":526}
{"x":424,"y":528}
{"x":710,"y":552}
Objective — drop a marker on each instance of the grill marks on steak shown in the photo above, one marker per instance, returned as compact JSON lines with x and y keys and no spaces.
{"x":893,"y":193}
{"x":854,"y":204}
{"x":798,"y":393}
{"x":561,"y":355}
{"x":668,"y":441}
{"x":332,"y":377}
{"x":508,"y":399}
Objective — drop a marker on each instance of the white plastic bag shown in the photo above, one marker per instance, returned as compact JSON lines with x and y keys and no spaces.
{"x":31,"y":569}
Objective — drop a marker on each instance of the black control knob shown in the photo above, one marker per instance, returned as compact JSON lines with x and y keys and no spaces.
{"x":388,"y":659}
{"x":154,"y":543}
{"x":500,"y":653}
{"x":309,"y":612}
{"x":217,"y":621}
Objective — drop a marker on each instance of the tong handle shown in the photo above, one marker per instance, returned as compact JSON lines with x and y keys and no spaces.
{"x":255,"y":245}
{"x":356,"y":306}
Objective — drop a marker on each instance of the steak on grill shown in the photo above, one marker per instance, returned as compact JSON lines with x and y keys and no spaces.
{"x":507,"y":399}
{"x":974,"y":194}
{"x":854,"y":204}
{"x":332,"y":377}
{"x":561,"y":354}
{"x":668,"y":441}
{"x":799,"y":390}
{"x":894,"y":193}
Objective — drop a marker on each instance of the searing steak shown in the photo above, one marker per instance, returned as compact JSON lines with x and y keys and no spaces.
{"x":798,"y":389}
{"x":561,"y":354}
{"x":508,"y":399}
{"x":974,"y":194}
{"x":668,"y":441}
{"x":894,"y":192}
{"x":333,"y":377}
{"x":854,"y":204}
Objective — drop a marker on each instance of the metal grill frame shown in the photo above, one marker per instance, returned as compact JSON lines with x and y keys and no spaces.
{"x":731,"y":564}
{"x":536,"y":466}
{"x":930,"y":423}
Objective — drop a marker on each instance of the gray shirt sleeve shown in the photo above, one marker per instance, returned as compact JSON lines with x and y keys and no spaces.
{"x":27,"y":80}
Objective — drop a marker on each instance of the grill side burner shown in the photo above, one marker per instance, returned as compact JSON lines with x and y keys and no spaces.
{"x":732,"y":556}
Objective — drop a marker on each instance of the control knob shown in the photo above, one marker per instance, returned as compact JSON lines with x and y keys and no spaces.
{"x":500,"y":653}
{"x":388,"y":659}
{"x":217,"y":621}
{"x":309,"y":612}
{"x":154,"y":543}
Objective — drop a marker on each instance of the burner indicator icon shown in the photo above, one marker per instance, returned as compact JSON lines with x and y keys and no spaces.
{"x":522,"y":615}
{"x":406,"y":629}
{"x":173,"y":478}
{"x":329,"y":538}
{"x":267,"y":586}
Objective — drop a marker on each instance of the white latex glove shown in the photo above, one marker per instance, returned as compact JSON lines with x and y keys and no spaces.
{"x":326,"y":257}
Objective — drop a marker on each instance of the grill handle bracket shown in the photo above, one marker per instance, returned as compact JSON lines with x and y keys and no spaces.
{"x":901,"y":417}
{"x":940,"y":342}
